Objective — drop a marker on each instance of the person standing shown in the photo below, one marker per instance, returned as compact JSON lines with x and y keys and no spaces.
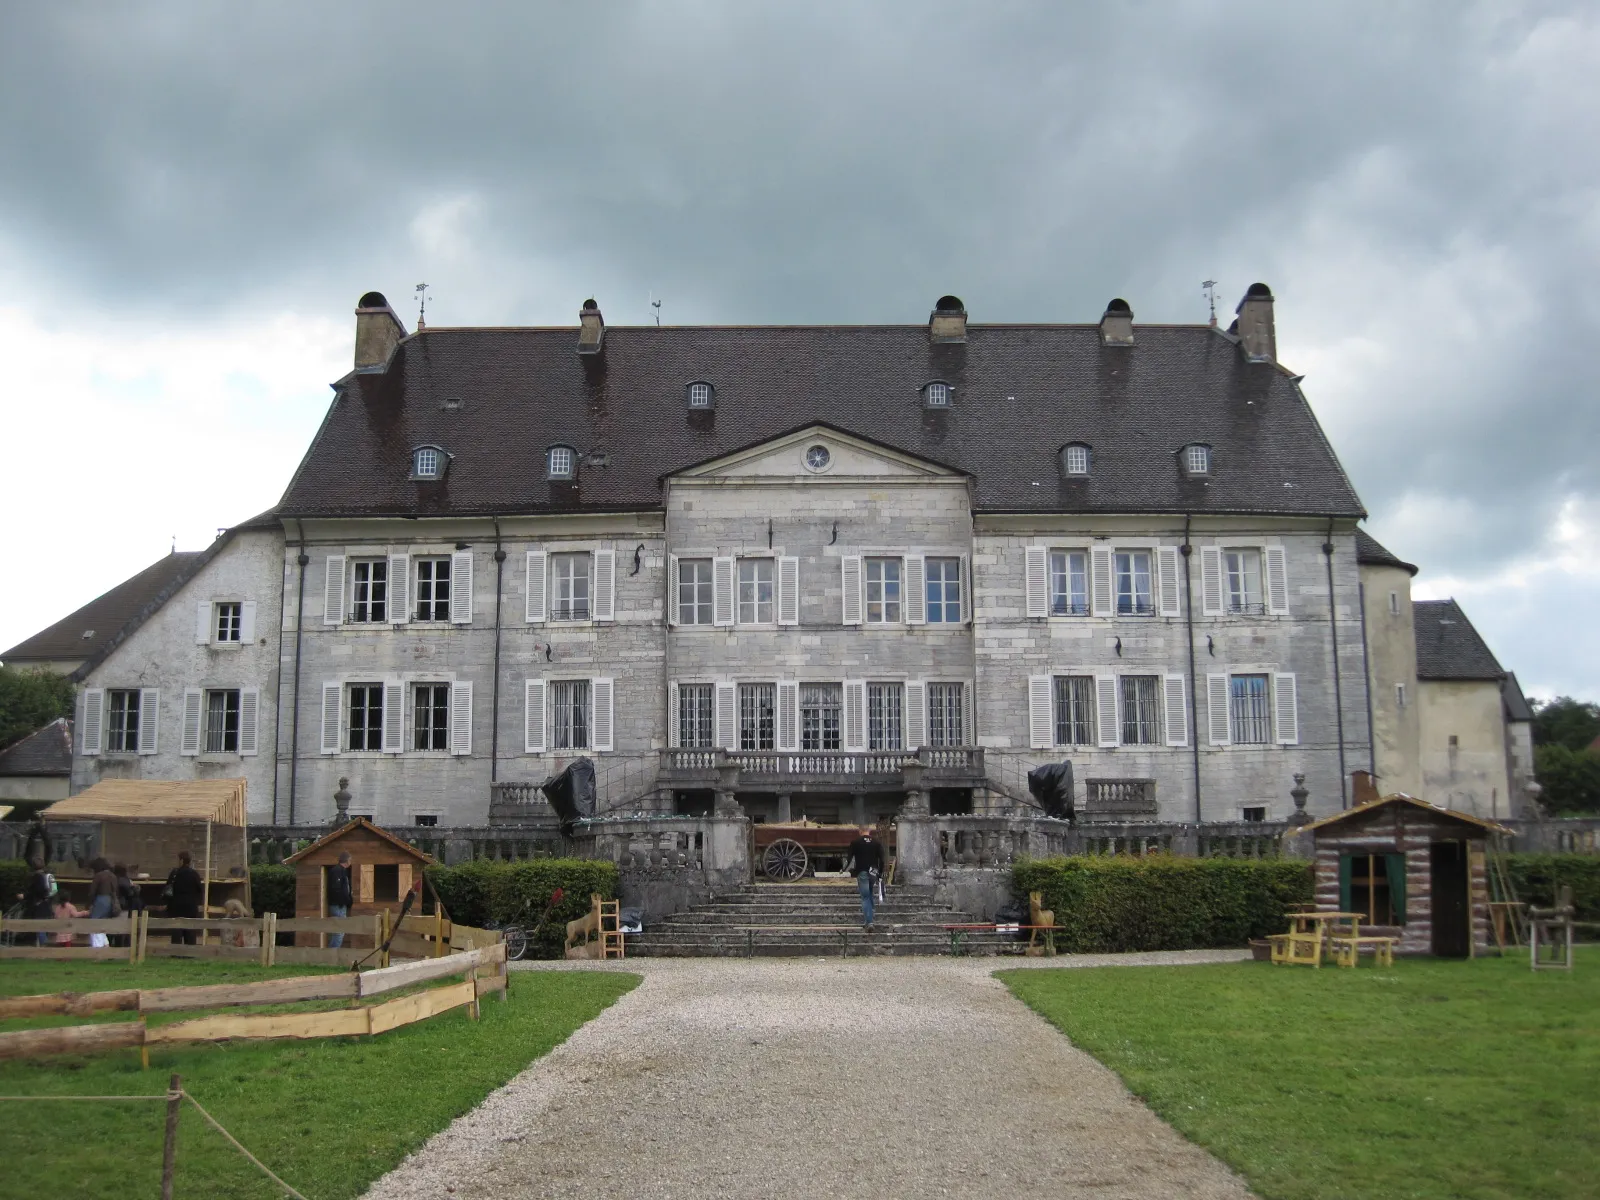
{"x":40,"y":896}
{"x":128,"y":897}
{"x":866,"y":864}
{"x":103,"y":903}
{"x":184,"y":893}
{"x":340,"y":895}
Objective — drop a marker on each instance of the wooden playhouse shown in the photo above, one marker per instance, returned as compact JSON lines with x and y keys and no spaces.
{"x":1416,"y":871}
{"x":383,"y":868}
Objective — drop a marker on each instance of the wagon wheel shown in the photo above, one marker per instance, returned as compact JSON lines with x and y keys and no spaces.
{"x":516,"y":942}
{"x":784,"y":859}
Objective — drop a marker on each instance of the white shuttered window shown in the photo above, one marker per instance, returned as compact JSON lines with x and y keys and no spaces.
{"x":538,"y":586}
{"x":94,"y":707}
{"x":850,"y":588}
{"x":333,"y":591}
{"x":461,"y":718}
{"x":602,"y":720}
{"x":149,"y":719}
{"x":461,"y":588}
{"x":605,"y":585}
{"x":1285,"y":709}
{"x":332,"y":700}
{"x":534,"y":724}
{"x":1036,"y":580}
{"x":193,"y":700}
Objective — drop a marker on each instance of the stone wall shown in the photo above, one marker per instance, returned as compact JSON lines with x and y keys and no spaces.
{"x":1391,"y":667}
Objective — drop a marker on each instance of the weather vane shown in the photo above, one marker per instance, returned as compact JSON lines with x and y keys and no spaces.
{"x":1209,"y":287}
{"x":422,"y":306}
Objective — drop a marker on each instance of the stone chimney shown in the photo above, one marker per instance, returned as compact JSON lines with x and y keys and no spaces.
{"x":378,"y":331}
{"x":1116,"y":325}
{"x":948,"y":323}
{"x":1253,"y":324}
{"x":591,"y":328}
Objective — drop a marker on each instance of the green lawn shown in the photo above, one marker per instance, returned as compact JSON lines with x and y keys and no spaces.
{"x":329,"y":1116}
{"x":1435,"y":1079}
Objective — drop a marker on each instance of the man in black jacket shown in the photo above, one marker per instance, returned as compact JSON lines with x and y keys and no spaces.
{"x":866,"y":864}
{"x":184,"y":894}
{"x":340,"y":895}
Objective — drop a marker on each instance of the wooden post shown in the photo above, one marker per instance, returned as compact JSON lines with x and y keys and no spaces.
{"x":244,"y":845}
{"x":438,"y":930}
{"x":169,"y":1150}
{"x":205,"y":885}
{"x":133,"y":938}
{"x":380,"y":926}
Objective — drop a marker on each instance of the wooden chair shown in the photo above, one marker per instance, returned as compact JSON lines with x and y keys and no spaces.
{"x":1042,"y":920}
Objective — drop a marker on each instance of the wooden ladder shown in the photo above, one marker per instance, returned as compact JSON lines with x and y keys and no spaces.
{"x":1504,"y":908}
{"x":610,"y":928}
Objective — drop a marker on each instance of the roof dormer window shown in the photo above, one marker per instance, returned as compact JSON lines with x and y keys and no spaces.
{"x":427,"y":462}
{"x":563,"y":462}
{"x":1197,"y":459}
{"x":1075,"y":458}
{"x":936,"y":394}
{"x":701,"y":394}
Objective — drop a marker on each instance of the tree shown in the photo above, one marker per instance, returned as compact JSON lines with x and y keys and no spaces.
{"x":1565,"y":722}
{"x":29,"y":699}
{"x":1570,"y":779}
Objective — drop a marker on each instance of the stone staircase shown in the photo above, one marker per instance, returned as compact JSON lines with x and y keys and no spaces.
{"x":821,"y":917}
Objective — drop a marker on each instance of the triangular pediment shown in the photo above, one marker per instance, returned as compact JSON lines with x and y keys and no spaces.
{"x":818,"y":452}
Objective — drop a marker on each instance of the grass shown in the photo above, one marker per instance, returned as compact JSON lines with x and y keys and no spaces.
{"x":329,"y":1116}
{"x":1469,"y":1079}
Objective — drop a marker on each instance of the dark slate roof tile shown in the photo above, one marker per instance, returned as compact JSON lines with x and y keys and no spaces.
{"x":104,"y":615}
{"x":1370,"y":551}
{"x":1448,"y":647}
{"x":45,"y":751}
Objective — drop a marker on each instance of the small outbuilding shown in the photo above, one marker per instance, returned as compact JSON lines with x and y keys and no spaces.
{"x":1418,"y":872}
{"x":383,"y":868}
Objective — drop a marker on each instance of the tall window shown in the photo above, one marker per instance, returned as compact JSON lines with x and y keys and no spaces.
{"x":820,"y":706}
{"x":944,"y":591}
{"x":569,"y":575}
{"x":883,"y":591}
{"x":757,"y":707}
{"x":366,"y":716}
{"x":1243,"y":568}
{"x":945,"y":715}
{"x":1074,"y":710}
{"x":1141,"y":710}
{"x":755,"y":591}
{"x":1133,"y":583}
{"x":1069,"y":583}
{"x":372,"y":590}
{"x":699,"y":395}
{"x":222,"y":721}
{"x":230,"y":619}
{"x":569,"y":714}
{"x":694,"y":591}
{"x":1249,"y":710}
{"x":695,"y":728}
{"x":122,"y":731}
{"x":885,"y":722}
{"x":433,"y":589}
{"x":431,"y":717}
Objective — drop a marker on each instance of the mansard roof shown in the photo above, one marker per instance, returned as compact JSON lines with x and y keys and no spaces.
{"x":1019,"y":393}
{"x":1448,"y":647}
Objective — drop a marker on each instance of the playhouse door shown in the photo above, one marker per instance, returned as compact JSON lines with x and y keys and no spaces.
{"x":1452,"y":932}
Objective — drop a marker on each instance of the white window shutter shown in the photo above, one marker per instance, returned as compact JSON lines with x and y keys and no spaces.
{"x":788,"y":590}
{"x":1285,"y":709}
{"x":916,"y":731}
{"x":333,"y":591}
{"x":193,"y":700}
{"x":850,"y":588}
{"x":1175,"y":693}
{"x":94,"y":722}
{"x":916,"y":589}
{"x":538,"y":586}
{"x":149,"y":719}
{"x":1105,"y":710}
{"x":1169,"y":580}
{"x":249,"y":721}
{"x":855,"y":714}
{"x":461,"y":717}
{"x":400,"y":589}
{"x":788,"y":715}
{"x":394,"y":718}
{"x":674,"y":715}
{"x":1277,"y":580}
{"x":1211,"y":580}
{"x":461,"y":588}
{"x":203,"y":633}
{"x":534,"y":722}
{"x":247,"y":623}
{"x":722,"y":591}
{"x":967,"y":612}
{"x":601,"y":723}
{"x":1041,"y":715}
{"x":1037,"y":580}
{"x":1217,"y":710}
{"x":332,"y":714}
{"x":726,"y":716}
{"x":1100,"y":583}
{"x":672,"y":589}
{"x":605,"y":585}
{"x":969,"y":726}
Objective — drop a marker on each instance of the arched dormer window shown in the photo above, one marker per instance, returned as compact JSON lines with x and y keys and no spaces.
{"x":1075,"y":458}
{"x":701,"y":394}
{"x":563,"y":462}
{"x":1196,"y":459}
{"x":936,"y":394}
{"x":428,"y":462}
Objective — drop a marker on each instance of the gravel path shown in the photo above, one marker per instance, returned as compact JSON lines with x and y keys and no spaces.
{"x":816,"y":1077}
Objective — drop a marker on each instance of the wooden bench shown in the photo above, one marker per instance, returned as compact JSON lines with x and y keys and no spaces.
{"x":1346,"y":947}
{"x":957,"y":932}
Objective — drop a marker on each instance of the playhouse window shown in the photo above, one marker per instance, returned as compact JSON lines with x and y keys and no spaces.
{"x":386,"y":882}
{"x":1374,"y":886}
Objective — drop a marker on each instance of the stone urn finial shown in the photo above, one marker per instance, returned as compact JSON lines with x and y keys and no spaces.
{"x":1298,"y":794}
{"x":341,"y":802}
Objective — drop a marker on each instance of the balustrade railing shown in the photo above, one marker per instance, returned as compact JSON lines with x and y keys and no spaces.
{"x":1110,"y":799}
{"x":639,"y":844}
{"x":447,"y":844}
{"x":963,"y":760}
{"x":980,"y":842}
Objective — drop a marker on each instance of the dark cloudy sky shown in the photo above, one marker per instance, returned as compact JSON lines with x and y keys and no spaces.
{"x":193,"y":195}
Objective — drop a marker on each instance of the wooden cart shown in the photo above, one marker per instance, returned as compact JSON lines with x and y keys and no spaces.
{"x":788,"y":851}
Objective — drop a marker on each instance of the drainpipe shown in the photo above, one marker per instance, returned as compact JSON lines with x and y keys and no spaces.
{"x":1366,"y":676}
{"x":299,"y":636}
{"x":277,"y":705}
{"x":1338,"y":692}
{"x":494,"y":729}
{"x":1194,"y":703}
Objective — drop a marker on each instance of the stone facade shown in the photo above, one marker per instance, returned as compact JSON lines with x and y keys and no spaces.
{"x":1392,"y":678}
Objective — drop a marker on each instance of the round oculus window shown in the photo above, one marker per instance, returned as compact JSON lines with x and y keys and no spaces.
{"x":818,"y":458}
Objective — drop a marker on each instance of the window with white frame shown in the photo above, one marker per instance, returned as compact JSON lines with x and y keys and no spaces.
{"x":700,"y":395}
{"x":430,"y":716}
{"x":945,"y":715}
{"x":694,"y":591}
{"x":696,"y":727}
{"x":757,"y":716}
{"x":122,"y":721}
{"x":425,"y":463}
{"x":569,"y":714}
{"x":433,"y":588}
{"x":936,"y":394}
{"x":1132,"y":576}
{"x":563,"y":462}
{"x":222,"y":721}
{"x":1249,"y":710}
{"x":1069,"y":583}
{"x":944,"y":591}
{"x":1197,"y":459}
{"x":821,"y":708}
{"x":365,"y":716}
{"x":370,"y":597}
{"x":883,"y":591}
{"x":1075,"y":459}
{"x":1072,"y":702}
{"x":569,"y":586}
{"x":885,"y":716}
{"x":755,"y":591}
{"x":229,"y":620}
{"x":1242,"y":574}
{"x":1141,"y":709}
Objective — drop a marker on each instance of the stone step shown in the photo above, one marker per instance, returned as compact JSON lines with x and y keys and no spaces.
{"x":800,"y":944}
{"x":704,"y":920}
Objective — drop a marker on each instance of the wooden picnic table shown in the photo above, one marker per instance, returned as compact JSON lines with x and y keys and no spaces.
{"x":1308,"y":931}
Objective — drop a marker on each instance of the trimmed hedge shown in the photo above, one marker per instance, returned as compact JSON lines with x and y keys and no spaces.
{"x":484,"y":892}
{"x":14,"y":875}
{"x":1107,"y":905}
{"x":272,"y":889}
{"x":1536,"y":877}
